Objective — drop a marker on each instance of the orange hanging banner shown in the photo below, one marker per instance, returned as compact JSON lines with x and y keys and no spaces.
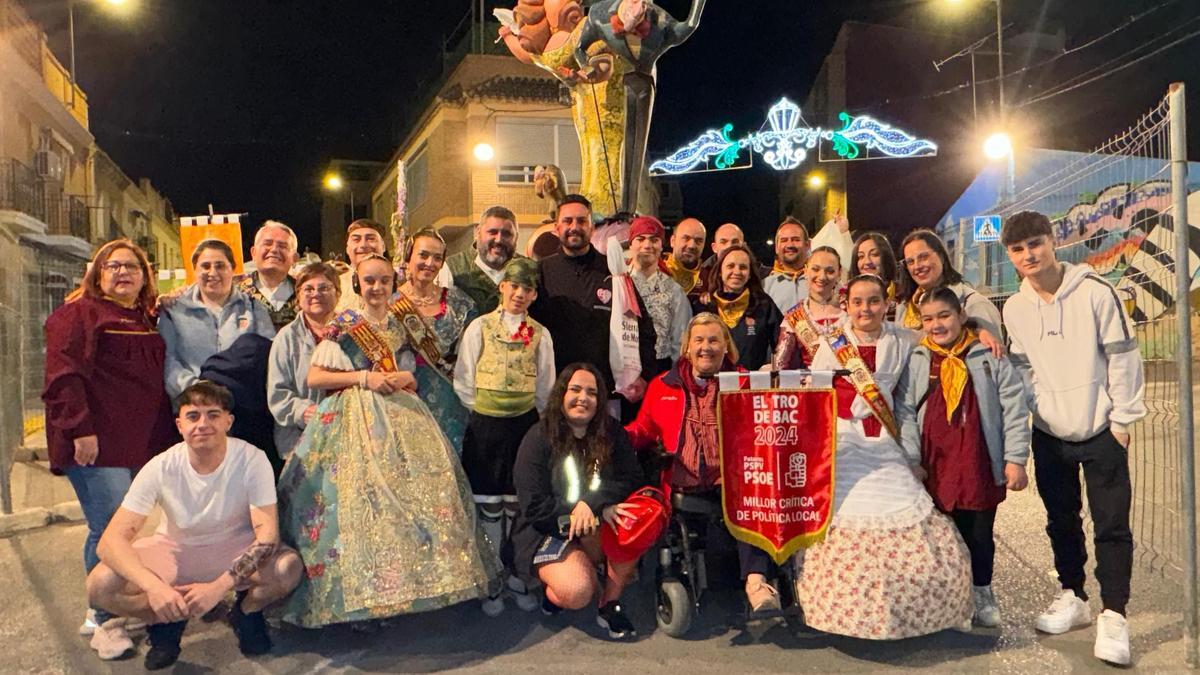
{"x":777,"y":466}
{"x":195,"y":229}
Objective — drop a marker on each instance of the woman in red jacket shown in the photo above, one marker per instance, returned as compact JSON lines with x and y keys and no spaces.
{"x":680,"y":411}
{"x":107,"y":413}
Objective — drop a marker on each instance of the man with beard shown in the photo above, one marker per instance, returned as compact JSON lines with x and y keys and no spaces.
{"x":683,"y":262}
{"x":574,"y":302}
{"x":274,"y":253}
{"x":786,"y":283}
{"x":478,"y":272}
{"x":363,"y":237}
{"x":663,"y":298}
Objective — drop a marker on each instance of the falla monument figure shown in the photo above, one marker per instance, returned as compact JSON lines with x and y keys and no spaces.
{"x":607,"y":55}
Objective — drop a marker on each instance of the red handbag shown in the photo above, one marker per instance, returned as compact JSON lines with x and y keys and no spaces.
{"x":651,"y":512}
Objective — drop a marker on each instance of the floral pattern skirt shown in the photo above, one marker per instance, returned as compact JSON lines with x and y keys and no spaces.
{"x":376,"y":503}
{"x":887,"y":584}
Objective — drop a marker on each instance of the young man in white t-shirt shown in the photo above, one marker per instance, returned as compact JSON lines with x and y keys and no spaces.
{"x":219,"y":532}
{"x":1074,"y":344}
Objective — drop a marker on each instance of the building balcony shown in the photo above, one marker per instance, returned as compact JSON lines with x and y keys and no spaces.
{"x":29,"y":42}
{"x":22,"y":190}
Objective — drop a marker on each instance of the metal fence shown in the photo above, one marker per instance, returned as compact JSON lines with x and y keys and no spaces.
{"x":22,"y":190}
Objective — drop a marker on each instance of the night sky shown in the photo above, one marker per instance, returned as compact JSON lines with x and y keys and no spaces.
{"x":241,"y":102}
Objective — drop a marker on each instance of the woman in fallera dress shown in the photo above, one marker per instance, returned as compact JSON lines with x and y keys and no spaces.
{"x":374,"y":498}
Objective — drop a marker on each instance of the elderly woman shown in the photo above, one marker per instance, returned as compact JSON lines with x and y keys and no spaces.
{"x":106,"y":411}
{"x":573,"y":470}
{"x":207,"y":318}
{"x":738,"y":298}
{"x":681,"y":414}
{"x":291,"y":400}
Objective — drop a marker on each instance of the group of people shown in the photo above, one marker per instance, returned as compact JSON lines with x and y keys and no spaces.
{"x":354,"y":444}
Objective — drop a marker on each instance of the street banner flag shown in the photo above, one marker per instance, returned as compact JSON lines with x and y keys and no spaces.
{"x":195,"y":229}
{"x":777,"y":465}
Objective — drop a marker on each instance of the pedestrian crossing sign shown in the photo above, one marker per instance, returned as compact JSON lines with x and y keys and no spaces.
{"x":987,"y":229}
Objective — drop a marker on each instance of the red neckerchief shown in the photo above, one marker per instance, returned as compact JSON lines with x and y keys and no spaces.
{"x":524,"y":333}
{"x":641,"y":30}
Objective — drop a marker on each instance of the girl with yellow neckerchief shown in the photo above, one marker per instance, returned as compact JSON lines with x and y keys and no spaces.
{"x":738,"y":298}
{"x":926,"y":266}
{"x":963,"y":417}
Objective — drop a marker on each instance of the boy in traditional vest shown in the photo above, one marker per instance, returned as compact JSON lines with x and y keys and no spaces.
{"x":503,"y":375}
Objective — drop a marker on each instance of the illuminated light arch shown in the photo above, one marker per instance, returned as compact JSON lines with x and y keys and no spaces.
{"x":784,"y":143}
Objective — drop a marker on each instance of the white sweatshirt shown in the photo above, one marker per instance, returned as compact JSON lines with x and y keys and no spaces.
{"x":1078,"y":356}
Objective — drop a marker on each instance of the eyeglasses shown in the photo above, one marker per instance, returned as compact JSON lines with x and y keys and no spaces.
{"x":114,"y":267}
{"x":918,"y":259}
{"x":323,"y":289}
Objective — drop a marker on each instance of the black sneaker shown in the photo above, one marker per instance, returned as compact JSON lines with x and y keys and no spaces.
{"x":613,"y":618}
{"x":164,"y":644}
{"x":251,"y":629}
{"x":549,"y":608}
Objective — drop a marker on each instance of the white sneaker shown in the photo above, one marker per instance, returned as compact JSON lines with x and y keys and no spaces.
{"x":1112,"y":638}
{"x":493,"y":606}
{"x":526,"y":601}
{"x":111,"y":641}
{"x":987,"y":612}
{"x":1065,"y":613}
{"x":88,"y":627}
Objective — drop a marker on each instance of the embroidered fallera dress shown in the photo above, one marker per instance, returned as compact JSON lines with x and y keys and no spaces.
{"x":436,"y":386}
{"x":891,"y":566}
{"x":376,"y":503}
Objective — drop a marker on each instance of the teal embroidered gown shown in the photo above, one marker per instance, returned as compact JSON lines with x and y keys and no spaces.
{"x":375,"y":501}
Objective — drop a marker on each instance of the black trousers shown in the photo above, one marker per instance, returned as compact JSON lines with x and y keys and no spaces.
{"x":976,"y":530}
{"x":1105,"y":467}
{"x":753,"y":560}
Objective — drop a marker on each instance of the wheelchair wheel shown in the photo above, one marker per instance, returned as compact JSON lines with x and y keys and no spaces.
{"x":675,"y":608}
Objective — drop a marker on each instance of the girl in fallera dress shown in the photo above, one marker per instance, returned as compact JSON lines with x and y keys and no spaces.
{"x":891,"y":566}
{"x":374,"y":498}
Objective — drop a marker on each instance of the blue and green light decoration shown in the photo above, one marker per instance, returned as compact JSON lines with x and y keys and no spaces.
{"x":784,"y":144}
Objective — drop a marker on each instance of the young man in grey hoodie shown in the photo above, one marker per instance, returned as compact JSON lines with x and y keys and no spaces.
{"x":1075,"y":347}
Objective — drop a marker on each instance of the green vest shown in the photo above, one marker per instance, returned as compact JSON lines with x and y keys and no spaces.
{"x":506,"y":374}
{"x":471,"y":280}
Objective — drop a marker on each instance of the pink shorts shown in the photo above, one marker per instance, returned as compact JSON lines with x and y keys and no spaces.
{"x":181,"y":564}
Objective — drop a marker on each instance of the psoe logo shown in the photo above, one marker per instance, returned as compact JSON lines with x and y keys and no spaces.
{"x":797,"y":473}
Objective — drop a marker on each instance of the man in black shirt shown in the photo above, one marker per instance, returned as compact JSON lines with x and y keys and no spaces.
{"x":574,"y":302}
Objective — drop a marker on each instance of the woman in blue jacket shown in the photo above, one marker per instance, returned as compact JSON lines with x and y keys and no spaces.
{"x":208,"y":317}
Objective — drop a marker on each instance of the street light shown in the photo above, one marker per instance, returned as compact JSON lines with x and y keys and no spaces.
{"x":334,"y":183}
{"x":998,"y":146}
{"x":484,"y":152}
{"x":816,"y":180}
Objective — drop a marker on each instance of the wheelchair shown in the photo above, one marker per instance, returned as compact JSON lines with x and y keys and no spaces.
{"x":682,"y":577}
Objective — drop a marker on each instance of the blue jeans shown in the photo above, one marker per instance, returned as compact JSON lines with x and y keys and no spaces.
{"x":100,"y":491}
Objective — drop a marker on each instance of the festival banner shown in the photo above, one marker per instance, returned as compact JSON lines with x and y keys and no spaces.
{"x":195,"y":229}
{"x":777,"y":466}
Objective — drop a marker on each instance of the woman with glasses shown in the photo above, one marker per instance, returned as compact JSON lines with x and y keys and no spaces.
{"x":207,"y":318}
{"x":291,"y":400}
{"x":926,"y":266}
{"x":433,"y":318}
{"x":106,"y":411}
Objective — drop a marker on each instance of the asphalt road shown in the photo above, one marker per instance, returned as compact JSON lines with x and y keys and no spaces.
{"x":41,"y":603}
